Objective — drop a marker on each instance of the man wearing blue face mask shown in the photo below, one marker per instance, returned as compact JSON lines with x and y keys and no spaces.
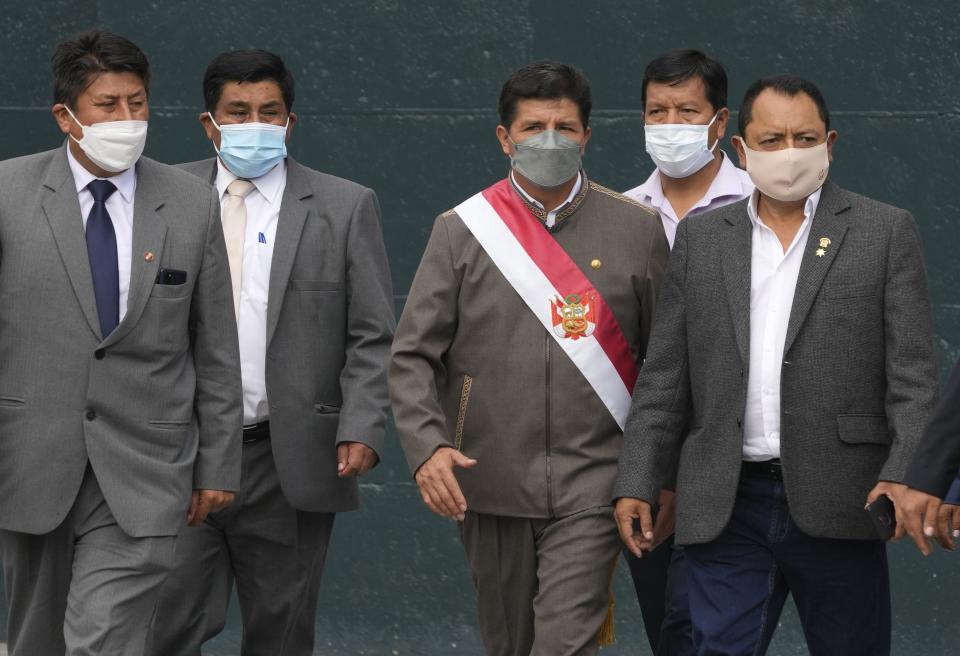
{"x":513,"y":365}
{"x":685,"y":116}
{"x":314,"y":305}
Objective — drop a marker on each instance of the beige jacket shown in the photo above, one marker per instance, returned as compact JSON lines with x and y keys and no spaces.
{"x":473,"y":368}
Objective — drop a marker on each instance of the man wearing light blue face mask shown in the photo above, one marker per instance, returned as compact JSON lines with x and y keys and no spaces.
{"x":685,"y":117}
{"x":314,"y":305}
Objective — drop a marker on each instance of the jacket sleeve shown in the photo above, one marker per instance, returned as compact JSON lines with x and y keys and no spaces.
{"x":424,"y":334}
{"x":910,"y":361}
{"x":661,"y":397}
{"x":369,"y":330}
{"x":937,"y":458}
{"x":216,"y":360}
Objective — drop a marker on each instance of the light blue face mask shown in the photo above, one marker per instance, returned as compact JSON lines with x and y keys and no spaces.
{"x":250,"y":150}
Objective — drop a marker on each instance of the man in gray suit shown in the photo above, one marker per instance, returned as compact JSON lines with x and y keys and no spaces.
{"x":119,"y":383}
{"x":315,"y":317}
{"x":788,"y":378}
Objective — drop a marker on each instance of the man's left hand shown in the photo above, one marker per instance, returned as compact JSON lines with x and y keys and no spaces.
{"x":666,"y":520}
{"x":355,"y":459}
{"x":917,"y":516}
{"x":204,"y":502}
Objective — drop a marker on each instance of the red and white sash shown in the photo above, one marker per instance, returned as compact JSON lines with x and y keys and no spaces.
{"x":556,"y":291}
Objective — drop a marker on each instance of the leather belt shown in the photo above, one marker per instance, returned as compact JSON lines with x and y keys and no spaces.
{"x":256,"y":432}
{"x":766,"y":468}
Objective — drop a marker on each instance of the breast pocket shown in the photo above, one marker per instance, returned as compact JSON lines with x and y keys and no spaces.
{"x":168,"y":314}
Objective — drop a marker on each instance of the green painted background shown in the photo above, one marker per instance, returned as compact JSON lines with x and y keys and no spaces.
{"x":400,"y":96}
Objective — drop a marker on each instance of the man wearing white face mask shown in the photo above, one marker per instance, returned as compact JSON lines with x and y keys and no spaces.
{"x":119,"y":396}
{"x":312,"y":293}
{"x":788,"y":380}
{"x":512,"y":370}
{"x":685,"y":116}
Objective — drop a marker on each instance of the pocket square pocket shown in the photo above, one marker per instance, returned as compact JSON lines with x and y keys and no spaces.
{"x":171,"y":277}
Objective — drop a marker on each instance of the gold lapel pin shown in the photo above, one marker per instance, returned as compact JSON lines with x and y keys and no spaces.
{"x":595,"y":264}
{"x":824,"y":242}
{"x":148,"y":256}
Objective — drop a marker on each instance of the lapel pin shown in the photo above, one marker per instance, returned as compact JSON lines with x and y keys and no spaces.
{"x":148,"y":256}
{"x":824,"y":242}
{"x":595,"y":264}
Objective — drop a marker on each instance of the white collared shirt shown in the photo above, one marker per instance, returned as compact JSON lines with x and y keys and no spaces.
{"x":773,"y":281}
{"x":119,"y":207}
{"x":729,"y":185}
{"x":552,"y":214}
{"x":263,"y":212}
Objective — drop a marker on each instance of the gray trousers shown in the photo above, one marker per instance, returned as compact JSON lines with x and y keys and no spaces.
{"x":86,"y":588}
{"x":542,"y":584}
{"x":273,"y":552}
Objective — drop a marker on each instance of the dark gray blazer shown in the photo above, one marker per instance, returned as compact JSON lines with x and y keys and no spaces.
{"x":858,"y":377}
{"x":330,"y":323}
{"x":155,"y":408}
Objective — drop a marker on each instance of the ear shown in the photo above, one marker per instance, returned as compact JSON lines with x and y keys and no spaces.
{"x":503,"y":136}
{"x":292,"y":118}
{"x":586,"y":137}
{"x":738,"y":145}
{"x":64,"y":122}
{"x":213,"y":134}
{"x":721,"y":123}
{"x":831,"y":139}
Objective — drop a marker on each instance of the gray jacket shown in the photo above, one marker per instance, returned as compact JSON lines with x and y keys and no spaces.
{"x":858,"y":376}
{"x":475,"y":369}
{"x":330,"y":322}
{"x":155,"y":407}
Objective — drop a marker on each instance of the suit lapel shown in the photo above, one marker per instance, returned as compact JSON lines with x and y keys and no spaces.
{"x":62,"y":208}
{"x":149,"y":231}
{"x":735,"y":257}
{"x":293,"y":214}
{"x":829,"y":224}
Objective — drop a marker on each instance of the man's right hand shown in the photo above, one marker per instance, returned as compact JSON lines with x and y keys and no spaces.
{"x":439,"y":487}
{"x":626,"y":511}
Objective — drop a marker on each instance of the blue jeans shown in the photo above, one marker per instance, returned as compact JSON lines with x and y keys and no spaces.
{"x":738,"y":583}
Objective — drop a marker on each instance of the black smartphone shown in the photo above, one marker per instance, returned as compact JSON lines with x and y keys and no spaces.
{"x":884,"y":517}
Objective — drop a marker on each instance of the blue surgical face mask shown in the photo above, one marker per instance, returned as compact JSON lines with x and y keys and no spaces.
{"x":250,"y":150}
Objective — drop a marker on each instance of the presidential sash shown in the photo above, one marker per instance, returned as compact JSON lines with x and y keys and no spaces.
{"x":557,"y":292}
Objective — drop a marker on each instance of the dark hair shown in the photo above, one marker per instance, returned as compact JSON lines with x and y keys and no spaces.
{"x":787,"y":85}
{"x":682,"y":64}
{"x":246,"y":66}
{"x":549,"y":80}
{"x":76,"y":62}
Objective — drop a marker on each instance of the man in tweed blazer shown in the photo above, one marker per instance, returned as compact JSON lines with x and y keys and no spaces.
{"x":789,"y":375}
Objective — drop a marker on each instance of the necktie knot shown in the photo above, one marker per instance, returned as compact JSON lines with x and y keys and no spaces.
{"x":101,"y":189}
{"x":240,"y":188}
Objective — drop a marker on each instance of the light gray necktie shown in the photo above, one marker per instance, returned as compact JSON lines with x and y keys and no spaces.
{"x":234,"y":218}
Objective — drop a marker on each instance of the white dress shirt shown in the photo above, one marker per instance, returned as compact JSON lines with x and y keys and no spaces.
{"x":773,"y":281}
{"x":552,"y":214}
{"x":120,"y":207}
{"x":729,"y":185}
{"x":263,"y":212}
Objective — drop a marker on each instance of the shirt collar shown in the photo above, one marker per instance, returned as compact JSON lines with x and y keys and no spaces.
{"x":531,"y":199}
{"x":267,"y":184}
{"x":809,"y":207}
{"x":125,"y":181}
{"x":727,"y":182}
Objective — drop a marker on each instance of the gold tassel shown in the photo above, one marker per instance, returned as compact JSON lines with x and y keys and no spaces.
{"x":608,"y":633}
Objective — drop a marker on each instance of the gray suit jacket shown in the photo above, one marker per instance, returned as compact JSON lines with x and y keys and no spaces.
{"x":330,"y":323}
{"x":155,"y":407}
{"x":858,"y":376}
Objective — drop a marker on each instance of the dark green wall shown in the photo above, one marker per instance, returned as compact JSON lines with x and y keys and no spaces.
{"x":401,"y":95}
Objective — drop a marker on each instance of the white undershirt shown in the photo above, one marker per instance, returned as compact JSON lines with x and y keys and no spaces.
{"x":773,"y":281}
{"x":120,"y":208}
{"x":263,"y":212}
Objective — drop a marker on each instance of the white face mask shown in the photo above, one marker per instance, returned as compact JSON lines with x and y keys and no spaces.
{"x":679,"y":149}
{"x":114,"y":145}
{"x":790,"y":174}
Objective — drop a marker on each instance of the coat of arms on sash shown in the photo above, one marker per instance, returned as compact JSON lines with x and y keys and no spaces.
{"x":573,"y":316}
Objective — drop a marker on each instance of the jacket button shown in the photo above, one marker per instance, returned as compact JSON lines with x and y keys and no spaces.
{"x":739,"y":421}
{"x":91,"y":415}
{"x":99,"y":353}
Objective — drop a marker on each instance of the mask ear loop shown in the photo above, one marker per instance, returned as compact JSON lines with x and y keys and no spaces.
{"x":83,"y":128}
{"x":717,"y":142}
{"x":216,"y":125}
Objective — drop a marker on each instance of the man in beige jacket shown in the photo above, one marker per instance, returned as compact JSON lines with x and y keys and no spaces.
{"x":513,"y":366}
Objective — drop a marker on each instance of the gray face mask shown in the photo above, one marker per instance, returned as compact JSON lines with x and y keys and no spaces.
{"x":547,"y":159}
